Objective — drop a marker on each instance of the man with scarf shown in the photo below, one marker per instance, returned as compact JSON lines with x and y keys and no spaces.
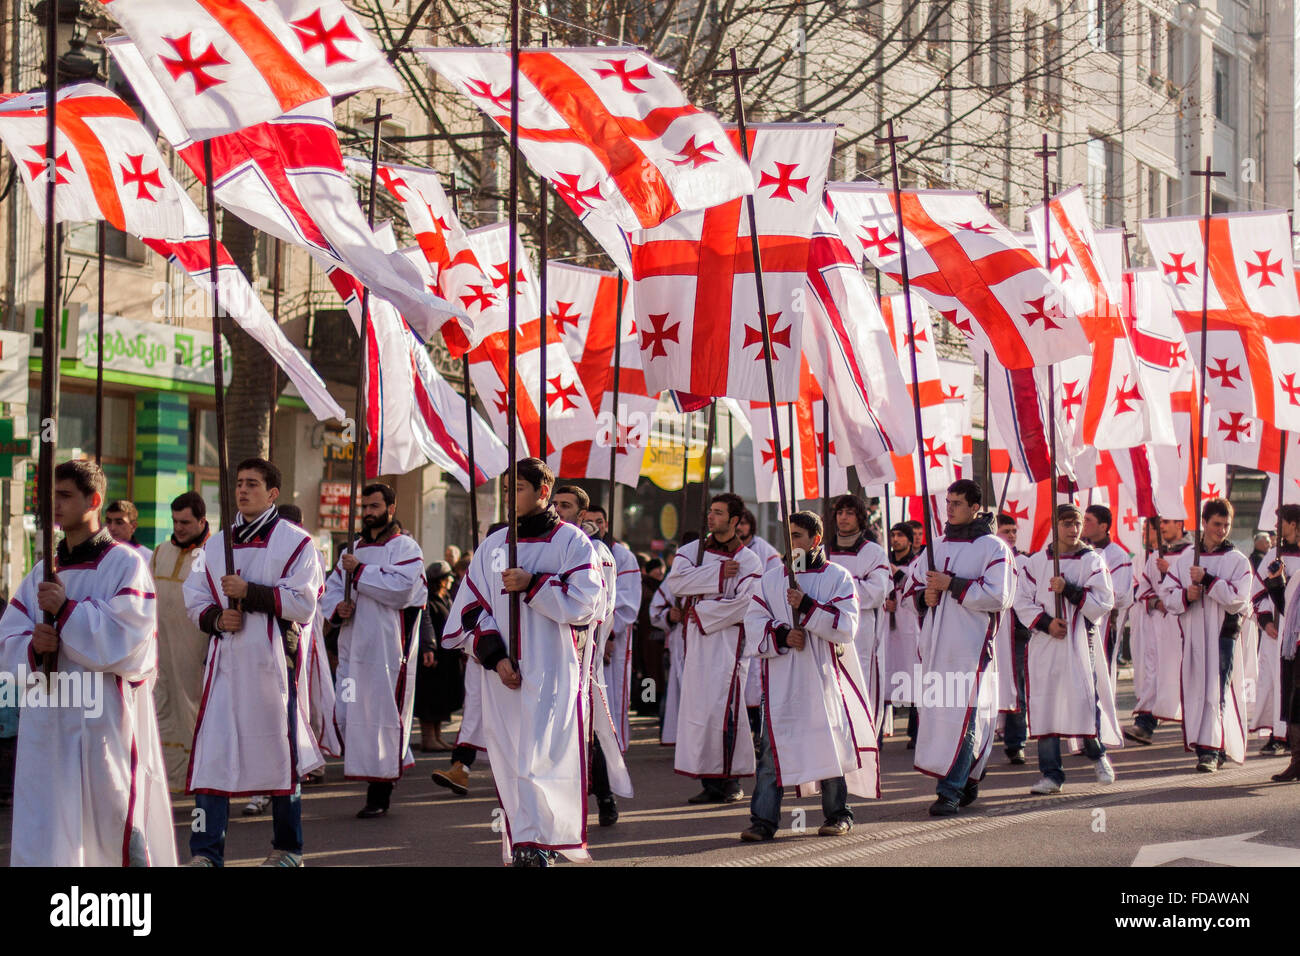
{"x":251,"y":736}
{"x":182,"y":647}
{"x":902,"y":628}
{"x":962,"y":597}
{"x":1210,"y":592}
{"x":532,"y":710}
{"x":378,"y":635}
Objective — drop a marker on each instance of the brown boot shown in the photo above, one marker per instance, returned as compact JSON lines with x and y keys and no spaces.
{"x":1292,"y":772}
{"x":456,"y":779}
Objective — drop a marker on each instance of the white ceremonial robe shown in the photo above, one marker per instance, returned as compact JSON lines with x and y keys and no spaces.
{"x":378,"y":654}
{"x":1160,"y":691}
{"x":1067,"y":680}
{"x":715,"y":666}
{"x":1266,"y":706}
{"x":535,"y":736}
{"x":247,"y":741}
{"x":1120,"y":564}
{"x":815,"y":710}
{"x":1205,"y":722}
{"x":767,"y":557}
{"x":598,"y":716}
{"x":956,"y":649}
{"x":182,"y":649}
{"x":900,"y":634}
{"x":316,"y":687}
{"x":618,"y":673}
{"x":663,"y":601}
{"x":1004,"y":645}
{"x":868,"y":566}
{"x":90,"y":786}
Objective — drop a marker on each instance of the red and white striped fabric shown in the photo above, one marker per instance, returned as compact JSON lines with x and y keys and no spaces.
{"x":413,"y":417}
{"x":804,"y":449}
{"x":1113,"y":410}
{"x":1164,"y":361}
{"x":958,"y":380}
{"x":696,"y":301}
{"x":968,"y":266}
{"x":1028,"y":502}
{"x":286,"y":178}
{"x":843,"y":335}
{"x":583,"y":306}
{"x":228,"y":64}
{"x":1171,"y":466}
{"x":108,"y":166}
{"x":1125,"y":478}
{"x":607,"y":126}
{"x":1253,"y":345}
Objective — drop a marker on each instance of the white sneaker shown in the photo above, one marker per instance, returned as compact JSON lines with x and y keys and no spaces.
{"x":1105,"y":772}
{"x":1046,"y":785}
{"x":256,"y":805}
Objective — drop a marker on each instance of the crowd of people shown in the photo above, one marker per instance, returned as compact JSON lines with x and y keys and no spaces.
{"x":240,"y":681}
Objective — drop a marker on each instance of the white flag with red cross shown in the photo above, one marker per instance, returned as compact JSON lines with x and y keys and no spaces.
{"x":968,"y":266}
{"x":1029,"y":503}
{"x":958,"y":380}
{"x":608,"y":126}
{"x":107,"y":164}
{"x":1124,"y":475}
{"x":1164,"y":360}
{"x":1112,"y":412}
{"x":843,"y":336}
{"x":696,"y":301}
{"x":229,"y":64}
{"x":583,"y":307}
{"x":1252,"y":347}
{"x":804,"y":446}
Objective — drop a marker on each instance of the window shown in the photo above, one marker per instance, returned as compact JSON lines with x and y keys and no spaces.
{"x":1155,"y":45}
{"x":1000,"y":61}
{"x":938,"y":29}
{"x":1154,"y":206}
{"x":913,"y":14}
{"x":975,"y":37}
{"x":838,"y":157}
{"x":1172,"y":73}
{"x":1114,"y":26}
{"x":1052,"y":66}
{"x":864,"y":164}
{"x":1222,"y":88}
{"x":1114,"y":183}
{"x":1096,"y":191}
{"x":266,"y":261}
{"x":871,"y":17}
{"x":1033,"y":59}
{"x":84,"y":237}
{"x":1097,"y":23}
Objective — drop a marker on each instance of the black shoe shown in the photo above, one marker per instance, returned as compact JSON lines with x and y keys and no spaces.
{"x":1016,"y":756}
{"x":706,"y":796}
{"x":530,"y":856}
{"x":1274,"y":748}
{"x":367,"y":812}
{"x":944,"y":808}
{"x":969,"y":793}
{"x":733,"y":794}
{"x":911,"y":743}
{"x":608,"y":811}
{"x":756,"y":835}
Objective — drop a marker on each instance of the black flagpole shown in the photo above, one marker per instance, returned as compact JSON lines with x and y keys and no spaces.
{"x":543,"y":245}
{"x":686,"y":461}
{"x":361,"y":444}
{"x":731,"y":447}
{"x":613,"y":424}
{"x":275,"y":369}
{"x":101,"y":241}
{"x":1209,"y":173}
{"x":469,"y":403}
{"x":1281,"y":484}
{"x":794,"y":491}
{"x":735,"y":73}
{"x":826,"y":453}
{"x":53,"y":318}
{"x":512,"y":352}
{"x":1045,"y":154}
{"x":218,"y":371}
{"x":892,"y":142}
{"x":988,"y":446}
{"x":704,"y":479}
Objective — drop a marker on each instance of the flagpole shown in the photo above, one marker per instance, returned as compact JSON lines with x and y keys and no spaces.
{"x":1046,"y":154}
{"x":1209,"y":173}
{"x":361,"y":445}
{"x":1281,"y":484}
{"x":826,"y":452}
{"x":275,"y":369}
{"x":731,"y":451}
{"x":53,"y":319}
{"x":704,"y":479}
{"x":613,"y":425}
{"x":1006,"y":485}
{"x":794,"y":491}
{"x":512,"y":352}
{"x":686,"y":460}
{"x":735,"y":73}
{"x":218,"y":371}
{"x":101,"y":240}
{"x":892,"y":142}
{"x":469,"y":404}
{"x":543,"y":252}
{"x":1125,"y":235}
{"x":988,"y":445}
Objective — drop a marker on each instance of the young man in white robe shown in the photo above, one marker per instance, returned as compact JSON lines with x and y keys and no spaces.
{"x":902,"y":628}
{"x":617,"y":659}
{"x":1276,"y":581}
{"x":1210,"y":595}
{"x":1096,"y":531}
{"x":768,"y":557}
{"x":1157,"y":639}
{"x":122,"y":519}
{"x":90,"y":787}
{"x":714,"y":740}
{"x":182,"y":647}
{"x":532,"y":709}
{"x":962,"y":599}
{"x":868,"y":565}
{"x":666,"y":614}
{"x":1068,"y":680}
{"x":1012,"y":652}
{"x":252,"y":736}
{"x":816,"y":731}
{"x":375,"y":596}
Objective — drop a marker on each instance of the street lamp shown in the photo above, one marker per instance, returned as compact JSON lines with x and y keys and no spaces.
{"x":73,"y":65}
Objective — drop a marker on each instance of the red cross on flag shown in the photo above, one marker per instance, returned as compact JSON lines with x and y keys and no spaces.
{"x":413,"y":417}
{"x":228,"y":64}
{"x":1252,"y":349}
{"x":843,"y":335}
{"x":958,"y":380}
{"x":583,"y":309}
{"x":1125,"y":477}
{"x":696,"y":301}
{"x":607,"y":126}
{"x":1164,"y":361}
{"x":1018,"y":421}
{"x":1171,"y":465}
{"x":804,"y":448}
{"x":1028,"y":502}
{"x":1112,"y":412}
{"x":968,"y":266}
{"x":108,"y":166}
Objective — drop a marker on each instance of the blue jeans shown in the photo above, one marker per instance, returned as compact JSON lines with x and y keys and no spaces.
{"x":1049,"y":750}
{"x":1225,"y":674}
{"x":951,"y":787}
{"x":1015,"y":729}
{"x":765,"y":804}
{"x":210,"y":841}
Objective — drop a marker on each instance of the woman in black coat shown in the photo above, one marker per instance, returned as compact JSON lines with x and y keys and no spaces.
{"x":439,"y":680}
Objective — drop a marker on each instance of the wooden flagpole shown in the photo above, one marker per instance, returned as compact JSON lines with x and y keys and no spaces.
{"x":544,"y":252}
{"x":826,"y":454}
{"x":1046,"y":154}
{"x":735,"y":73}
{"x":615,"y":414}
{"x":704,"y":479}
{"x":361,"y":444}
{"x":1209,"y":173}
{"x":686,"y":461}
{"x":469,"y":401}
{"x":892,"y":141}
{"x":227,"y":507}
{"x":512,"y":351}
{"x":101,"y":242}
{"x":53,"y":319}
{"x":794,"y":490}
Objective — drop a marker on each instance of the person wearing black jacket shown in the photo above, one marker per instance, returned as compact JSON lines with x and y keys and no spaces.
{"x":439,"y":682}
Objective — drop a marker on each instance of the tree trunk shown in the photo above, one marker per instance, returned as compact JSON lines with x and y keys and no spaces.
{"x":248,"y":392}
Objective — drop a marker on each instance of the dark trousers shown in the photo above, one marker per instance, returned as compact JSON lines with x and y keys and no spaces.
{"x":210,"y":839}
{"x":463,"y":754}
{"x":379,"y":793}
{"x":1225,"y":674}
{"x":600,"y":788}
{"x":8,"y":757}
{"x":1015,"y":730}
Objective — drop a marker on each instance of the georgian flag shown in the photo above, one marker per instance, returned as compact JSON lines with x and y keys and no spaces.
{"x":958,"y":380}
{"x":107,"y":164}
{"x":804,"y":447}
{"x":1164,"y":360}
{"x":968,"y":266}
{"x":1124,"y":480}
{"x":696,"y":302}
{"x":1253,"y":312}
{"x":1028,"y":502}
{"x":230,"y":64}
{"x":607,"y":126}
